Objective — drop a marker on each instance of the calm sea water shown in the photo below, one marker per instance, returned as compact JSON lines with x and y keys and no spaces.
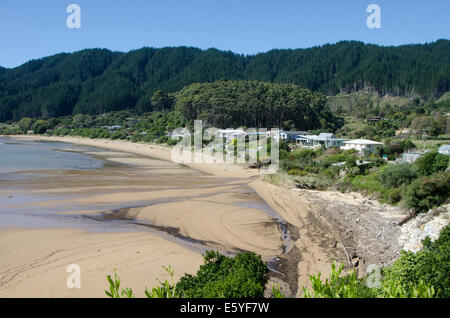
{"x":23,"y":166}
{"x":18,"y":155}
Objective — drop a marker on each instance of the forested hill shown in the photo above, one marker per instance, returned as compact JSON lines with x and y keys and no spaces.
{"x":98,"y":80}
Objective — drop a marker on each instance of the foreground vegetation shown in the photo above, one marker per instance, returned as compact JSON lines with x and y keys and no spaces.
{"x":243,"y":276}
{"x":424,"y":274}
{"x":419,"y":186}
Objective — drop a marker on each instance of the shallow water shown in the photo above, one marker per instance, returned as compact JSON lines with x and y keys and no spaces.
{"x":41,"y":184}
{"x":21,"y":155}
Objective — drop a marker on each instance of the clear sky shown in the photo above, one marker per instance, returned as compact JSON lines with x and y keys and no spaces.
{"x":37,"y":28}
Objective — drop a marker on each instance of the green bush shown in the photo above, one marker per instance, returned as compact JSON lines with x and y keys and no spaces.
{"x":162,"y":139}
{"x":394,"y":196}
{"x":431,"y":264}
{"x":297,"y":172}
{"x":119,"y":135}
{"x":393,"y":176}
{"x":424,"y":274}
{"x":172,"y":142}
{"x":243,"y":276}
{"x":431,"y":162}
{"x":428,"y":192}
{"x":338,"y":285}
{"x":302,"y":155}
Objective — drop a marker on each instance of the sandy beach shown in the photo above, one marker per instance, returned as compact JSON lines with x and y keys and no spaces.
{"x":177,"y":212}
{"x":200,"y":206}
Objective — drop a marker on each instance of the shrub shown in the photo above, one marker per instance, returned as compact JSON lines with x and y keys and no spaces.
{"x":338,"y":286}
{"x":172,"y":142}
{"x":428,"y":192}
{"x":245,"y":275}
{"x":119,"y":135}
{"x":393,"y":176}
{"x":297,"y":172}
{"x":431,"y":162}
{"x":407,"y":144}
{"x":394,"y":196}
{"x":424,"y":274}
{"x":302,"y":154}
{"x":162,"y":139}
{"x":431,"y":264}
{"x":40,"y":129}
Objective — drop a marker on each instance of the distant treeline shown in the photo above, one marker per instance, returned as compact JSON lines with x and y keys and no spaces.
{"x":99,"y":80}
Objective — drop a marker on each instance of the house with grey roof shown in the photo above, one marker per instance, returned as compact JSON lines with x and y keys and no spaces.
{"x":323,"y":139}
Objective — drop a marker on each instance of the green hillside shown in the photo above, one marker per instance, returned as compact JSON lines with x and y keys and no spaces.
{"x":98,"y":80}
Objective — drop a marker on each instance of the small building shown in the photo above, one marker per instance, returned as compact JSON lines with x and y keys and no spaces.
{"x":364,"y":146}
{"x":231,"y":133}
{"x":444,"y":149}
{"x":412,"y":155}
{"x":293,"y":135}
{"x":323,"y":139}
{"x":358,"y":163}
{"x":112,"y":128}
{"x":284,"y":135}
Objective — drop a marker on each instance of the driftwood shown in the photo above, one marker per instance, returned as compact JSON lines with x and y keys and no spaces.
{"x":349,"y":260}
{"x":408,"y":217}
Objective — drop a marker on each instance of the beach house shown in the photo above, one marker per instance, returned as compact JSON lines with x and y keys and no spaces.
{"x":412,"y":155}
{"x":230,"y":133}
{"x":444,"y":149}
{"x":323,"y":139}
{"x":284,"y":135}
{"x":364,"y":146}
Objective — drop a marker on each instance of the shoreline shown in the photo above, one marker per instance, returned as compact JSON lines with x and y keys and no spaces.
{"x":319,"y":224}
{"x":215,"y":221}
{"x":148,"y":150}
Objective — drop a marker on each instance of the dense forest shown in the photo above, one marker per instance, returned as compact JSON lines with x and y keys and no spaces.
{"x":255,"y":104}
{"x":99,"y":80}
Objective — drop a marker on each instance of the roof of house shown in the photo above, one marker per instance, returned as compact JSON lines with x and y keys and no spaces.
{"x":326,"y":135}
{"x":322,"y":136}
{"x":295,"y":132}
{"x":362,"y":142}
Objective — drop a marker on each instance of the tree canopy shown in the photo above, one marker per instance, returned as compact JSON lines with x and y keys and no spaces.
{"x":255,"y":104}
{"x":98,"y":80}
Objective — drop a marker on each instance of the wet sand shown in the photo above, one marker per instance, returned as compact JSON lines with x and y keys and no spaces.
{"x":33,"y":262}
{"x":135,"y":214}
{"x":200,"y":206}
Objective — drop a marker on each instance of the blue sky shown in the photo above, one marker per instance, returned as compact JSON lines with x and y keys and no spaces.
{"x":33,"y":29}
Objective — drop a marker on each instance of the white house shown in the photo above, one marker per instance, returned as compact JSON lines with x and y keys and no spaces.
{"x":326,"y":139}
{"x":231,"y":133}
{"x":444,"y":149}
{"x":286,"y":135}
{"x":364,"y":146}
{"x":412,"y":155}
